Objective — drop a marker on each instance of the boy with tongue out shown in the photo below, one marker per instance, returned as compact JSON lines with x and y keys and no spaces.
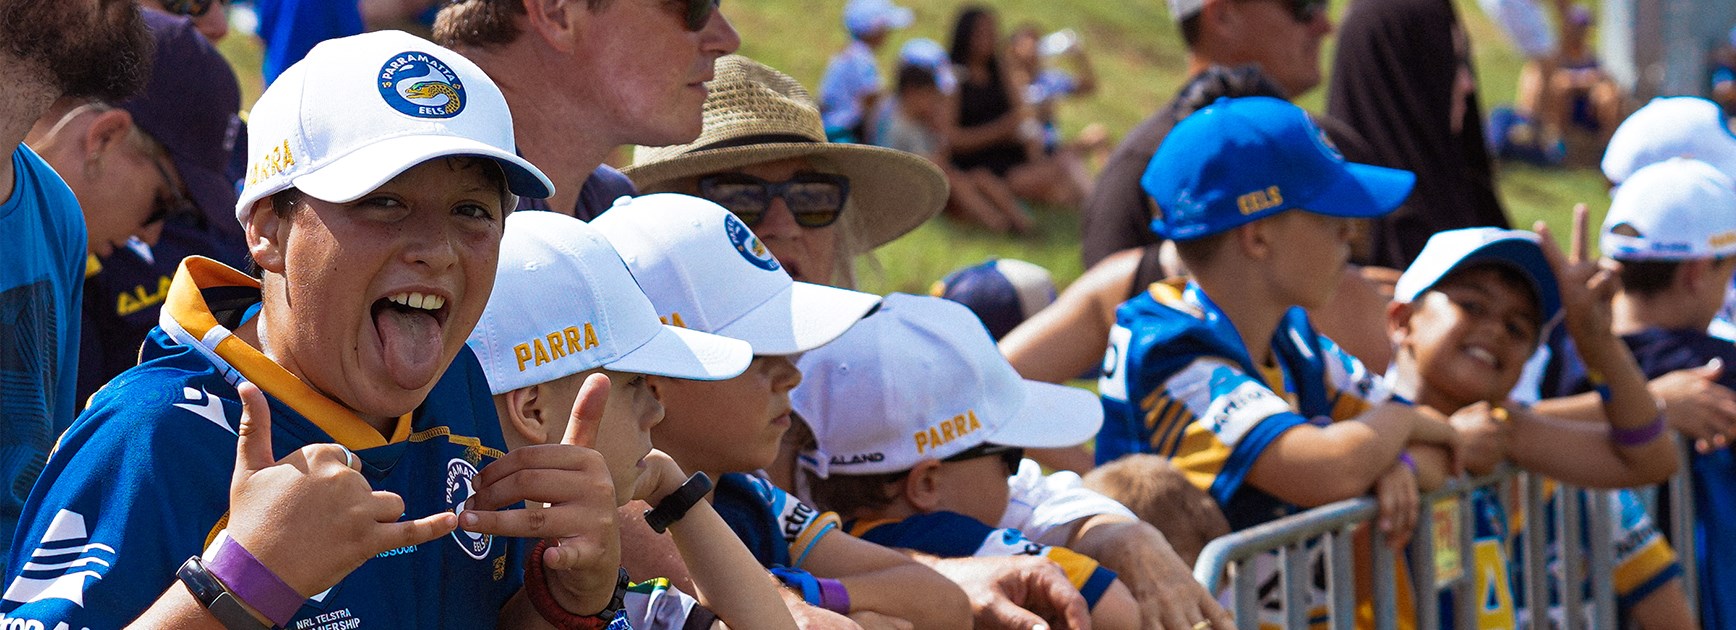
{"x":317,"y":443}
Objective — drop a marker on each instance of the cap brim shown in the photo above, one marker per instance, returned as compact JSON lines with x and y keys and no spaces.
{"x":1054,"y":416}
{"x":212,"y":192}
{"x":1528,"y":258}
{"x":690,"y":354}
{"x":801,"y":317}
{"x":1364,"y":191}
{"x":893,"y":192}
{"x":362,"y":171}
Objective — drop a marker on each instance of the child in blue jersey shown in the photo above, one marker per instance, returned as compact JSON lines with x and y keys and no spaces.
{"x":1671,"y":229}
{"x":1225,"y":375}
{"x":301,"y":445}
{"x":918,"y":421}
{"x":705,"y":270}
{"x":565,"y":308}
{"x":1466,"y":315}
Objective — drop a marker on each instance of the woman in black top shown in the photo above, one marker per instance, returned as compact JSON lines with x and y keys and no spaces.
{"x":996,"y":130}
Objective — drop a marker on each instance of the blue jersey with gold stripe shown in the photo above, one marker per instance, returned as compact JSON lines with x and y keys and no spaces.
{"x":777,"y":528}
{"x":954,"y":535}
{"x":1178,"y":382}
{"x":141,"y":481}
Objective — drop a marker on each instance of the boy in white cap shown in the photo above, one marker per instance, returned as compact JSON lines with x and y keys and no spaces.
{"x":850,"y":90}
{"x":1667,"y":127}
{"x":918,"y":422}
{"x":704,"y":269}
{"x":1465,"y":317}
{"x":1672,"y":230}
{"x":317,"y":431}
{"x":565,"y":309}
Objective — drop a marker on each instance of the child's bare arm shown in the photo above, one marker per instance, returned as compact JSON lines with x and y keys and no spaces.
{"x":1314,"y":465}
{"x":886,"y":581}
{"x":1115,"y":609}
{"x":726,"y":578}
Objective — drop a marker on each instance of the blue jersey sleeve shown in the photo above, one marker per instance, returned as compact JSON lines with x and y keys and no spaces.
{"x":136,"y":487}
{"x":954,"y":535}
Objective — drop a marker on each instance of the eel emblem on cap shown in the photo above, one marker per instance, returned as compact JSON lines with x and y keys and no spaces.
{"x":748,"y":245}
{"x":419,"y":85}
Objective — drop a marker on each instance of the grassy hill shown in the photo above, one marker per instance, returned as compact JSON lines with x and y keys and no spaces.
{"x":1140,"y":60}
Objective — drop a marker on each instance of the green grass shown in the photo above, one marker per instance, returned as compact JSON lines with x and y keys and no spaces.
{"x":1140,"y":61}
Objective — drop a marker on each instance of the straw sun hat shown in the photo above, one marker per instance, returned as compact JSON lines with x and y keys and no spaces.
{"x":755,"y":114}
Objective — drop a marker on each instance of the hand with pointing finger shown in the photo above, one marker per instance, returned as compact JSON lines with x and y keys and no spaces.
{"x":311,"y":517}
{"x":578,"y":520}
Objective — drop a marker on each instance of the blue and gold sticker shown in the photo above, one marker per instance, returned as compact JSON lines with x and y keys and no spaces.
{"x":748,"y":245}
{"x":418,"y":84}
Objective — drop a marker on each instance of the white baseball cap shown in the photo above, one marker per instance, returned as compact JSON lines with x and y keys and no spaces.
{"x":1453,"y":250}
{"x":358,"y":111}
{"x":920,"y":379}
{"x":704,"y":269}
{"x":862,"y":17}
{"x":1182,"y":9}
{"x":1667,"y":127}
{"x":1677,"y":209}
{"x":564,"y":303}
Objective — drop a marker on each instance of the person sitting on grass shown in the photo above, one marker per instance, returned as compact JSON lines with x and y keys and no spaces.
{"x":1465,"y":317}
{"x":566,"y":310}
{"x":918,"y":422}
{"x":1225,"y":375}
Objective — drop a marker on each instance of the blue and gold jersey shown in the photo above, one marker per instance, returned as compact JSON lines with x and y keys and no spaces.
{"x":777,"y":528}
{"x":141,"y":481}
{"x":954,"y":535}
{"x":1178,"y":382}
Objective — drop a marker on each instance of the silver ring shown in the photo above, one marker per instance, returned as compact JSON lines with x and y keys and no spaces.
{"x":349,"y":458}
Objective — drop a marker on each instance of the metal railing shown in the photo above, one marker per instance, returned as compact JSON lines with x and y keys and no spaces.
{"x":1323,"y":535}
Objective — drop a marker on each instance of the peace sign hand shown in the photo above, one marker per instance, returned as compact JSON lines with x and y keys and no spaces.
{"x":1587,"y":287}
{"x":579,"y":519}
{"x":311,"y":518}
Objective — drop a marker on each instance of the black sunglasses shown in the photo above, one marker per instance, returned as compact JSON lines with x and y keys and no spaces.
{"x":176,"y":205}
{"x":1305,"y":11}
{"x":195,"y":8}
{"x":1010,"y":455}
{"x":814,"y":199}
{"x":697,"y":13}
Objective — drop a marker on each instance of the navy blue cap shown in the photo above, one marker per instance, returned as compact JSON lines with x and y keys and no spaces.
{"x":1239,"y":160}
{"x":1002,"y":292}
{"x":190,"y":106}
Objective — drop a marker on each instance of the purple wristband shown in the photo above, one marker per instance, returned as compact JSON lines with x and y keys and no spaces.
{"x":1404,"y":457}
{"x":245,"y":577}
{"x":833,"y":596}
{"x":1640,"y":436}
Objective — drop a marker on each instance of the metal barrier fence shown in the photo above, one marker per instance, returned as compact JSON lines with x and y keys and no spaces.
{"x":1323,"y":535}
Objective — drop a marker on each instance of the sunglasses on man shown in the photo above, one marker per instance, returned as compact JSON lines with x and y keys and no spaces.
{"x":697,"y":13}
{"x":814,"y":199}
{"x":176,"y":205}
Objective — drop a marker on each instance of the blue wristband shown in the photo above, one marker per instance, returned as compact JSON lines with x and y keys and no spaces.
{"x":802,"y":582}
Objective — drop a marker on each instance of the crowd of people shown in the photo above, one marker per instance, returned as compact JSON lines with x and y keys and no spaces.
{"x":652,"y":397}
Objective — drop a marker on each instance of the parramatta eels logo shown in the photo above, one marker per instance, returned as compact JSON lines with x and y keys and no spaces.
{"x":748,"y":245}
{"x":417,"y":84}
{"x":459,"y":474}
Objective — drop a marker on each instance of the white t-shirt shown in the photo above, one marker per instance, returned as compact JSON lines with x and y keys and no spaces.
{"x":1045,"y":506}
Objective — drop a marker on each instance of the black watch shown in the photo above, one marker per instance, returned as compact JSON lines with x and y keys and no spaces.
{"x":675,"y":506}
{"x":215,"y":598}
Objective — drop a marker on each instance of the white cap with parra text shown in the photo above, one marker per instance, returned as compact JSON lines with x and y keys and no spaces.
{"x":920,"y":379}
{"x":564,"y":303}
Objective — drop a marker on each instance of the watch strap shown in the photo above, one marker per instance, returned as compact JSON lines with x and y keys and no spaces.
{"x":219,"y":602}
{"x":250,"y":581}
{"x":675,"y":506}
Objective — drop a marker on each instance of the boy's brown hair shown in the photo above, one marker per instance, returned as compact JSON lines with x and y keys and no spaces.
{"x":1159,"y":494}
